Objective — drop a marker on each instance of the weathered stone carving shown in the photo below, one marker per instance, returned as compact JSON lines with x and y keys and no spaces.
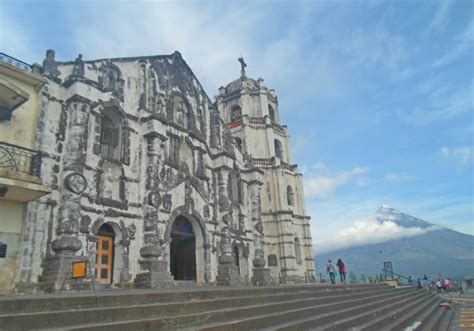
{"x":154,"y":199}
{"x":78,"y":69}
{"x":223,"y":191}
{"x":50,"y":67}
{"x":85,"y":222}
{"x":215,"y":129}
{"x":227,"y":219}
{"x":132,"y":229}
{"x":228,"y":143}
{"x":206,"y":212}
{"x":75,"y":182}
{"x":228,"y":274}
{"x":111,"y":80}
{"x":167,"y":203}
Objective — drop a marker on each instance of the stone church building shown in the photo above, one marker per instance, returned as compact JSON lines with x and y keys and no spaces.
{"x":155,"y":183}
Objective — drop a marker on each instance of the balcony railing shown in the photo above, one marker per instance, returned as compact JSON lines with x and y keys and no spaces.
{"x":18,"y":159}
{"x":15,"y":62}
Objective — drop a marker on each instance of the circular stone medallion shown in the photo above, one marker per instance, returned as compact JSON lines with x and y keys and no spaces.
{"x":76,"y":182}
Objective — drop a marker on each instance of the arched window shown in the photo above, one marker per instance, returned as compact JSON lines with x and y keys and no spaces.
{"x":235,"y":113}
{"x":297,"y":251}
{"x":278,"y":149}
{"x":110,"y":135}
{"x":271,"y":113}
{"x":290,"y":196}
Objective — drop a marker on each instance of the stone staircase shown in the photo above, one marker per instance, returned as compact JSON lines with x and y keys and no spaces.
{"x":286,"y":307}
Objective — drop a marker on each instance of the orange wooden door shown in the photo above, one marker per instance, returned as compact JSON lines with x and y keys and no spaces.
{"x":104,"y":256}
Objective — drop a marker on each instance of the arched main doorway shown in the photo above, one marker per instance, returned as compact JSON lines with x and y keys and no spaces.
{"x":104,"y":255}
{"x":183,"y":250}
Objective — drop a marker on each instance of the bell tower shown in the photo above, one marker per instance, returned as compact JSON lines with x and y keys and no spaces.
{"x":250,"y":111}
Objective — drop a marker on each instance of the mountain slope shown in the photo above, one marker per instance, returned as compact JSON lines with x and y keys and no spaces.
{"x":439,"y":250}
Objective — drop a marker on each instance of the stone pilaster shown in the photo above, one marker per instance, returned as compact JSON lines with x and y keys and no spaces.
{"x":222,"y":178}
{"x":261,"y":275}
{"x":57,"y":267}
{"x":156,"y":273}
{"x":227,"y":273}
{"x":215,"y":129}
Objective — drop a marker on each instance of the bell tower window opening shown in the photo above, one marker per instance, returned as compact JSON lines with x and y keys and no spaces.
{"x":271,"y":113}
{"x":278,"y":149}
{"x":290,"y":196}
{"x":110,"y":136}
{"x":235,"y":113}
{"x":297,"y":251}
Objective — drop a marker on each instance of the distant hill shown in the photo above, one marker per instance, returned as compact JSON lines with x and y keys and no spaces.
{"x":439,"y":250}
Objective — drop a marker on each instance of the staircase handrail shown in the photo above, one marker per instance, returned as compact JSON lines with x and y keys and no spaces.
{"x":398,"y":275}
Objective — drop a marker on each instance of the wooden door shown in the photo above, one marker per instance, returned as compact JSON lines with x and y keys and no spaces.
{"x":104,"y":257}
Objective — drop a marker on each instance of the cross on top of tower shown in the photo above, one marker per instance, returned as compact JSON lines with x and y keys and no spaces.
{"x":242,"y":67}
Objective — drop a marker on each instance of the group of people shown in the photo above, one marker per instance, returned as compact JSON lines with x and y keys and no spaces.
{"x":442,"y":284}
{"x":331,"y":269}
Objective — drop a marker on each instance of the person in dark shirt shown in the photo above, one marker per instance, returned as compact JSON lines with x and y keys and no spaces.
{"x":342,"y":270}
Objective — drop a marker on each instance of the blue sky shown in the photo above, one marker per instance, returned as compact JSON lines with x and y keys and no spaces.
{"x":377,"y":95}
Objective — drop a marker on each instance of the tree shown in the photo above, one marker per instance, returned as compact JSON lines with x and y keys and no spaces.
{"x":363,"y":279}
{"x":352,"y":278}
{"x":371,"y":280}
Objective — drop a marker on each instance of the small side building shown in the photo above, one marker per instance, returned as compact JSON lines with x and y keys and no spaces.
{"x":19,"y":161}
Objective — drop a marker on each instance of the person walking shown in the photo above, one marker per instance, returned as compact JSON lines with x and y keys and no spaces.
{"x":342,"y":270}
{"x":331,"y":271}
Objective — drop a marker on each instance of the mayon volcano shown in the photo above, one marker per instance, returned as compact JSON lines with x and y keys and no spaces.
{"x":414,"y":246}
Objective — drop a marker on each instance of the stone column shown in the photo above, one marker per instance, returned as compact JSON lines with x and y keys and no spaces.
{"x":222,"y":189}
{"x":152,"y":261}
{"x":308,"y":252}
{"x":215,"y":129}
{"x":261,"y":275}
{"x":227,"y":273}
{"x":57,"y":267}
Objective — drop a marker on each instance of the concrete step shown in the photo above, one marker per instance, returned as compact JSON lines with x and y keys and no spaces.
{"x":425,"y":316}
{"x":398,"y":312}
{"x":192,"y":321}
{"x":62,"y":318}
{"x":445,"y":320}
{"x":410,"y":317}
{"x":112,"y":298}
{"x":324,"y":313}
{"x":429,"y":322}
{"x":344,"y":319}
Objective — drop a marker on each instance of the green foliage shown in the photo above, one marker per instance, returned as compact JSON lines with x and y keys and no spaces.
{"x":363,"y":279}
{"x":352,"y":278}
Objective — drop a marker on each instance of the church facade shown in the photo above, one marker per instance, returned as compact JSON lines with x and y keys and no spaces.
{"x":153,"y":183}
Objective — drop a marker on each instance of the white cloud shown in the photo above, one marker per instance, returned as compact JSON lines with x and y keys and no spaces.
{"x":368,"y":231}
{"x":320,"y":183}
{"x":461,"y":156}
{"x":464,"y":43}
{"x":399,"y":177}
{"x":441,"y":16}
{"x":443,"y":102}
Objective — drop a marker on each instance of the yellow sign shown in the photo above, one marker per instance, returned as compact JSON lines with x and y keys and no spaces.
{"x":79,"y":269}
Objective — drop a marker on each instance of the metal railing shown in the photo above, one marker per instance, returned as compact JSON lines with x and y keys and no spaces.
{"x":19,"y":159}
{"x":15,"y":62}
{"x":387,"y":272}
